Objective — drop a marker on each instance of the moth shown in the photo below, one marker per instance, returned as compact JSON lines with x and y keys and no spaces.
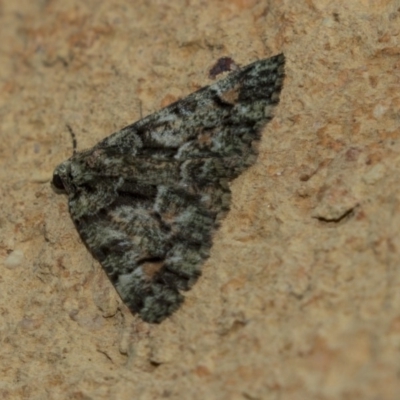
{"x":147,"y":199}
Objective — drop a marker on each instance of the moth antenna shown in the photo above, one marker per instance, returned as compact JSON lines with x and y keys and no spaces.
{"x":140,"y":109}
{"x":73,"y":137}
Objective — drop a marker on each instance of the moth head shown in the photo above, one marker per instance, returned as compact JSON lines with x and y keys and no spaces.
{"x":62,"y":177}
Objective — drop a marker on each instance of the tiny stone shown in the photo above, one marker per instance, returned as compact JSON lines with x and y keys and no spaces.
{"x":14,"y":259}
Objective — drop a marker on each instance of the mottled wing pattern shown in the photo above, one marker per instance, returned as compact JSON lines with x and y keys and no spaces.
{"x":147,"y":199}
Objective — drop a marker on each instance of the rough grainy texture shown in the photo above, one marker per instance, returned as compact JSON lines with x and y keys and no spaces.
{"x":300,"y":297}
{"x":147,"y":199}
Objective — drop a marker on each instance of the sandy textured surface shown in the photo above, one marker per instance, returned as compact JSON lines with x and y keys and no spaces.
{"x":301,"y":296}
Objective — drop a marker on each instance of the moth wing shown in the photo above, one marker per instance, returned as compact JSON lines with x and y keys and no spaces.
{"x":147,"y":199}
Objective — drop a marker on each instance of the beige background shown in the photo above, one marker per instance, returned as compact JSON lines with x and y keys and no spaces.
{"x":300,"y":298}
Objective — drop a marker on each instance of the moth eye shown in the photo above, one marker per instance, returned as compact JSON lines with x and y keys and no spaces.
{"x":57,"y":182}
